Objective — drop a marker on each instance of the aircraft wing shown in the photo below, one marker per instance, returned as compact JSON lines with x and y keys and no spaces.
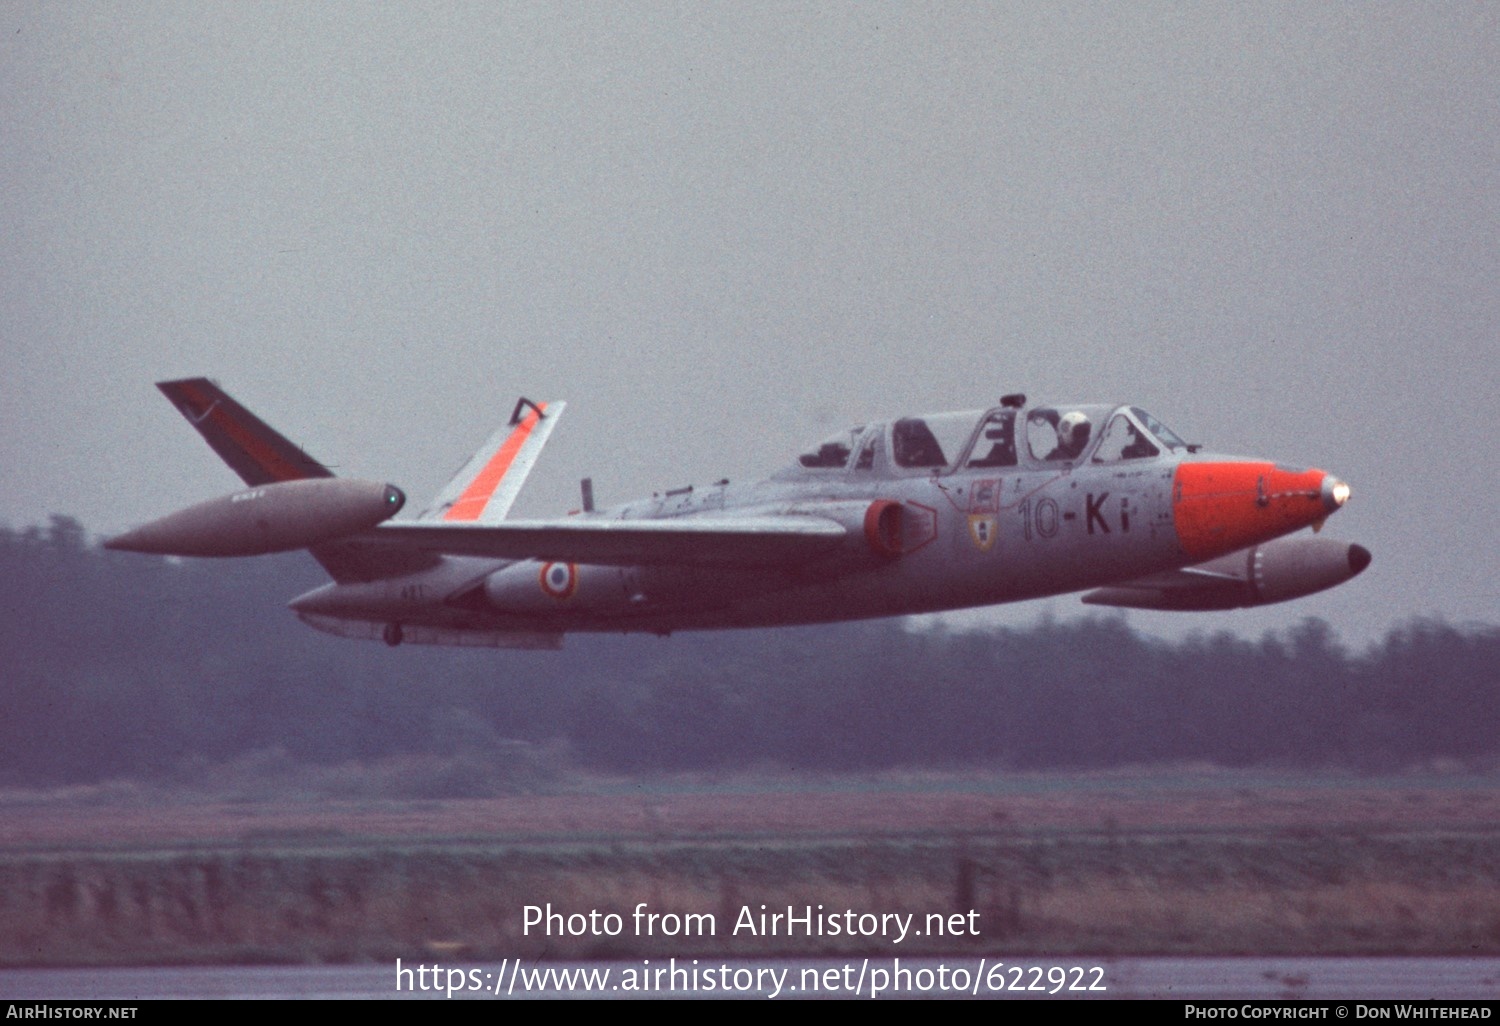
{"x":1189,"y":588}
{"x":724,"y":541}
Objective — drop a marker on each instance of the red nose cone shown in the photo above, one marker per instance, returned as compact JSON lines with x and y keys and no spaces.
{"x":1224,"y":507}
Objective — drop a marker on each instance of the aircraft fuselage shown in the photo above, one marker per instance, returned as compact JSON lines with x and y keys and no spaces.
{"x":966,"y":539}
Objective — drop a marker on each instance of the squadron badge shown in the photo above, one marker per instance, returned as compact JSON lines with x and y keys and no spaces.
{"x":983,"y":528}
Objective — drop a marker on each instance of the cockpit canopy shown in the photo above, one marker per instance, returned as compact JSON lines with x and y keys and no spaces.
{"x":996,"y":438}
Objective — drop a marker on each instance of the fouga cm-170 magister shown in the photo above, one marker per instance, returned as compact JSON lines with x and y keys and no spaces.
{"x":917,"y":515}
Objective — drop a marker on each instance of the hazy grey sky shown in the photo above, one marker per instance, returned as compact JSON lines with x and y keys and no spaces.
{"x":722,"y":231}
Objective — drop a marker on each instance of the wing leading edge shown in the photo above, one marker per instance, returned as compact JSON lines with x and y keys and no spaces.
{"x":747,"y":541}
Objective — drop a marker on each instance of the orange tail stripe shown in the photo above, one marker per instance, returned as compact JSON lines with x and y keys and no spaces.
{"x":469,"y":505}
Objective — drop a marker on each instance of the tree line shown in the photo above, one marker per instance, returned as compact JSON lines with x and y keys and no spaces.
{"x":118,"y":666}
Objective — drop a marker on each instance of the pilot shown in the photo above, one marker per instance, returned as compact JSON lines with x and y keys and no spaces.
{"x":1139,"y":448}
{"x":1073,"y":431}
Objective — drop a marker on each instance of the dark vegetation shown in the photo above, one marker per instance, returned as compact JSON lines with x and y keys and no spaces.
{"x":118,"y":666}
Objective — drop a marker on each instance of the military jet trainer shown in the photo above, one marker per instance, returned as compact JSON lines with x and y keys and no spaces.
{"x":918,"y":515}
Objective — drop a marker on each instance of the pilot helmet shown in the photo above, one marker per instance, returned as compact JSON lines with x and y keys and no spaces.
{"x":1073,"y":430}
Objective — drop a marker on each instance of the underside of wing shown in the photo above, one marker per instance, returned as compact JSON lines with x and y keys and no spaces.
{"x":748,"y":541}
{"x":1188,"y":588}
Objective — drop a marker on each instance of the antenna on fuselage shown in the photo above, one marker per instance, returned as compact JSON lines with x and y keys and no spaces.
{"x":1013,"y":401}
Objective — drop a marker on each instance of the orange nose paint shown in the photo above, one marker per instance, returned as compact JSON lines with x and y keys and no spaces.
{"x":1221,"y":507}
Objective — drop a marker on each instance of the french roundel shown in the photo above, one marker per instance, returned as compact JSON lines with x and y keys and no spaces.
{"x":559,"y":580}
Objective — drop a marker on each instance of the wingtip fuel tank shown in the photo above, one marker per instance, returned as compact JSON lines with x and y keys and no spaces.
{"x":278,"y":517}
{"x":1276,"y":571}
